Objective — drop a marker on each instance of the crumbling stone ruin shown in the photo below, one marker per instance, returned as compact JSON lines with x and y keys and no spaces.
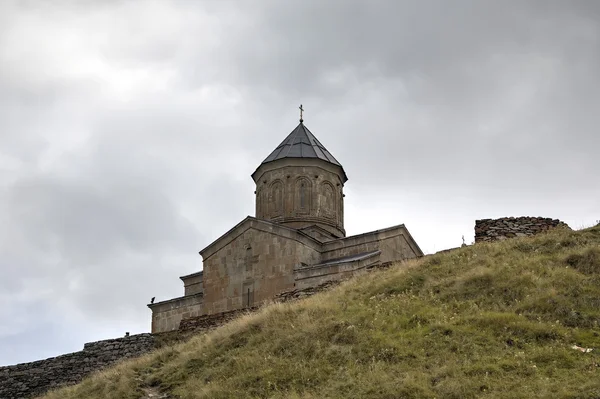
{"x":487,"y":230}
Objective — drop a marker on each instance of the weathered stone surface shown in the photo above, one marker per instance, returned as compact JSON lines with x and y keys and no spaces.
{"x":307,"y":276}
{"x":208,"y":322}
{"x":296,"y":294}
{"x":255,"y":265}
{"x":192,"y":283}
{"x":28,"y":380}
{"x":500,"y":229}
{"x":166,"y":315}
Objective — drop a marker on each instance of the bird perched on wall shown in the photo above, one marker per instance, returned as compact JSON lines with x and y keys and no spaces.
{"x":152,"y":300}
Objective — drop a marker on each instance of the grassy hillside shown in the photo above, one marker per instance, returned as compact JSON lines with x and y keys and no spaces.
{"x":490,"y":320}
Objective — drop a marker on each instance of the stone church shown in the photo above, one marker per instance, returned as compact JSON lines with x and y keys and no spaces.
{"x":296,"y":240}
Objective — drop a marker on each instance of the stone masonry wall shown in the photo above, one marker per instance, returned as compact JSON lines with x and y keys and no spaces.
{"x":167,"y":315}
{"x":500,"y":229}
{"x":207,"y":322}
{"x":251,"y":269}
{"x":296,"y":294}
{"x":28,"y":380}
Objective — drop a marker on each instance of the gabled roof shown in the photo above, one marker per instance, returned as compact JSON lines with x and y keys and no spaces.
{"x":301,"y":143}
{"x":262,"y":225}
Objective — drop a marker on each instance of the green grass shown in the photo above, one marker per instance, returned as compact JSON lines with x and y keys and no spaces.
{"x":490,"y":320}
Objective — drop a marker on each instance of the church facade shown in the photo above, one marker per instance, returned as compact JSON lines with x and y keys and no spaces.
{"x":296,"y":240}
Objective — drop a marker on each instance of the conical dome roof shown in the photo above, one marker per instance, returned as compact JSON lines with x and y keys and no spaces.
{"x":301,"y":143}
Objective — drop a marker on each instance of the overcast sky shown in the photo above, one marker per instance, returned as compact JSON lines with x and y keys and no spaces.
{"x":129,"y":130}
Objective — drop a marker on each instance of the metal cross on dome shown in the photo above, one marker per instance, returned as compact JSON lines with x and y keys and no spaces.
{"x":301,"y":111}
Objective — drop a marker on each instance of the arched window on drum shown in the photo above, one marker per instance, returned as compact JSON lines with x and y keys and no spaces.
{"x":303,"y":196}
{"x":276,"y":199}
{"x":328,"y":205}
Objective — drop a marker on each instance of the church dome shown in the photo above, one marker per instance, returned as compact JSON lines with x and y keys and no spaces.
{"x":300,"y":184}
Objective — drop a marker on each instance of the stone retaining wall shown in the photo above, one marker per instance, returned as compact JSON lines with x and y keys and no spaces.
{"x":27,"y":380}
{"x":500,"y":229}
{"x":293,"y":295}
{"x":207,"y":322}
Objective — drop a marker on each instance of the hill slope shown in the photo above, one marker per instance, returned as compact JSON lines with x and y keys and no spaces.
{"x":490,"y":320}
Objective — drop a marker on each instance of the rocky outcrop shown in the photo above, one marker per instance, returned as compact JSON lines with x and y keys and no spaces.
{"x":500,"y":229}
{"x":27,"y":380}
